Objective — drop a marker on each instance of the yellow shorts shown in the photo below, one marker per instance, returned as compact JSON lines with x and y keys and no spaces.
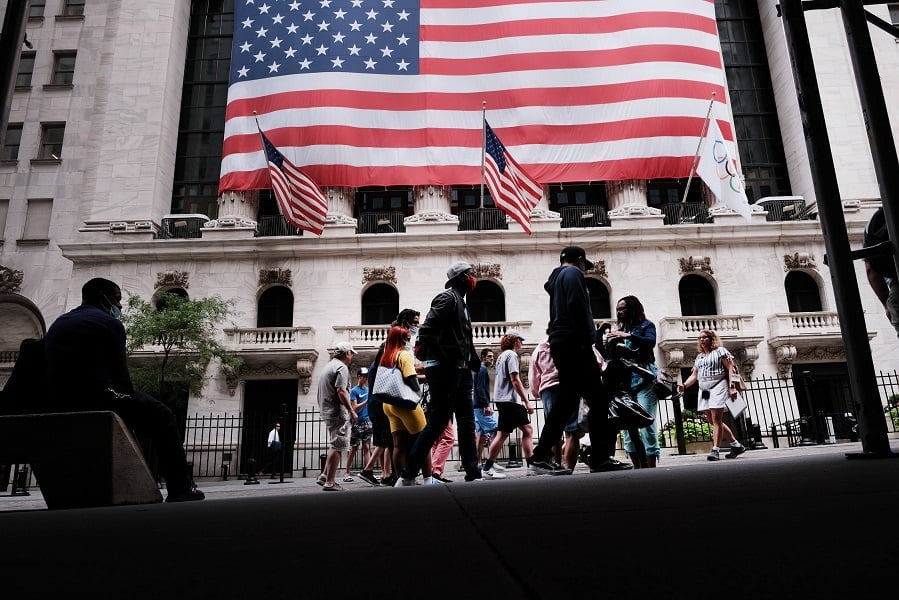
{"x":403,"y":419}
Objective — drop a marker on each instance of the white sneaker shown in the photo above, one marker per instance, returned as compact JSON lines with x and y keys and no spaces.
{"x":498,"y":468}
{"x":491,"y":474}
{"x":404,"y":482}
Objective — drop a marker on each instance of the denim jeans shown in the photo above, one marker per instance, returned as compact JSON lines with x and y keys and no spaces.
{"x":649,"y":402}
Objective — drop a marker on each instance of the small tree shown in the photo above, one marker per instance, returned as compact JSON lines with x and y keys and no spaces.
{"x":185,"y":330}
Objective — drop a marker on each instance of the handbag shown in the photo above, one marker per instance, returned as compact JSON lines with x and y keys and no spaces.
{"x":737,"y":380}
{"x":735,"y":405}
{"x":626,"y":413}
{"x":664,"y":386}
{"x":390,"y":388}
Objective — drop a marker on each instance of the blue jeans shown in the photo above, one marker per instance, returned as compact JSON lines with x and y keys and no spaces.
{"x":450,"y":395}
{"x":649,"y":402}
{"x":548,"y":396}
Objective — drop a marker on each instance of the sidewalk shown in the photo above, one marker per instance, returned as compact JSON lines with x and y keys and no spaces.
{"x":216,"y":489}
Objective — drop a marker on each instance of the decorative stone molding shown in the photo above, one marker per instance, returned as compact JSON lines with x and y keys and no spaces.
{"x":118,"y":225}
{"x":335,"y":219}
{"x":171,"y":279}
{"x":821,"y":354}
{"x":635,"y":210}
{"x":851,"y":205}
{"x":692,"y":264}
{"x":432,"y":216}
{"x":229,"y":222}
{"x":433,"y":190}
{"x":785,"y":355}
{"x":542,"y":213}
{"x":379,"y":273}
{"x":304,"y":370}
{"x":799,"y":260}
{"x":275,"y":276}
{"x":232,"y":378}
{"x":599,"y":269}
{"x":674,"y":358}
{"x":10,"y":280}
{"x":747,"y":355}
{"x":482,"y":270}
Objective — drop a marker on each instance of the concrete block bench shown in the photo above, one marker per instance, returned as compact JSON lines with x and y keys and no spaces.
{"x":80,"y":459}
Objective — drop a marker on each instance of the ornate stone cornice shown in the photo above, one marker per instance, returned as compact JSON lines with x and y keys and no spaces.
{"x":482,"y":270}
{"x":692,"y":264}
{"x":799,"y":260}
{"x":172,"y":279}
{"x":599,"y":269}
{"x":10,"y":280}
{"x":379,"y":273}
{"x":635,"y":210}
{"x":432,"y":216}
{"x":275,"y":276}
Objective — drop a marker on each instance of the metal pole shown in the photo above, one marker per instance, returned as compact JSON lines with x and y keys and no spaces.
{"x":862,"y":379}
{"x":877,"y":119}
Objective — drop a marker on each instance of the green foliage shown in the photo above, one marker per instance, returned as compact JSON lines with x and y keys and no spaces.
{"x":892,"y":408}
{"x":695,"y":429}
{"x":182,"y":335}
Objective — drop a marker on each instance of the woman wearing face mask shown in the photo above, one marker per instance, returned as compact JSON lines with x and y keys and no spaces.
{"x":639,"y":334}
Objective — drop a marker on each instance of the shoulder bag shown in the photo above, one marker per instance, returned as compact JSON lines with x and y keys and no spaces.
{"x":390,"y":388}
{"x":626,"y":413}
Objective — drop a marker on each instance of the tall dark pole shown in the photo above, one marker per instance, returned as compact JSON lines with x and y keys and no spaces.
{"x":11,"y":40}
{"x":862,"y":379}
{"x":877,"y":119}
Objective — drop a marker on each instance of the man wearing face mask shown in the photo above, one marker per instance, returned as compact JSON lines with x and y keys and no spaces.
{"x":87,"y":370}
{"x":446,"y":346}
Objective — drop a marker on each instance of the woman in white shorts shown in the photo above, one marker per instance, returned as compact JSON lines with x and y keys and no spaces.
{"x":712,"y":368}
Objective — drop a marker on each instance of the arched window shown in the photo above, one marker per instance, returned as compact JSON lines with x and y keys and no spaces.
{"x":275,"y":308}
{"x":380,"y":305}
{"x":697,"y":297}
{"x":802,"y":292}
{"x":599,"y":299}
{"x":160,"y":300}
{"x":487,"y":303}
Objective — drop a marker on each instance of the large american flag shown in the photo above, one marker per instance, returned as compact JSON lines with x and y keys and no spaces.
{"x":387,"y":92}
{"x":300,"y":200}
{"x":513,"y":190}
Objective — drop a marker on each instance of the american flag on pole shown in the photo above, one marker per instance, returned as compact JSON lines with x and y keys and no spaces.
{"x":513,"y":191}
{"x":299,"y":198}
{"x":390,"y":92}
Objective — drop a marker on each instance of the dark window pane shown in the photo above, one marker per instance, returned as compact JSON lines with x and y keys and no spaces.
{"x":696,"y":296}
{"x":380,"y":304}
{"x":802,"y":292}
{"x":275,"y":308}
{"x":26,"y":68}
{"x":487,"y":303}
{"x":12,"y":142}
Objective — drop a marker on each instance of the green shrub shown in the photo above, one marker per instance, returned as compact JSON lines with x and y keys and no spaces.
{"x":695,"y":430}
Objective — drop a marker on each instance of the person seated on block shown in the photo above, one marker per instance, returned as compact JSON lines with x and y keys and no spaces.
{"x":87,"y":370}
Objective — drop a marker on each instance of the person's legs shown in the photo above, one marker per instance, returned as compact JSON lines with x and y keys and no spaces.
{"x":154,"y":420}
{"x":442,"y":385}
{"x":650,"y":435}
{"x":442,"y":449}
{"x":464,"y":416}
{"x":527,"y":441}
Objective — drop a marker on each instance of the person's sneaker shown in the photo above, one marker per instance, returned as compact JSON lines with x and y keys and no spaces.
{"x":322,"y":479}
{"x":612,"y":464}
{"x":348,"y":479}
{"x":547,"y":467}
{"x":441,"y":478}
{"x":334,"y":487}
{"x":498,"y":467}
{"x":713,"y":455}
{"x":388,"y":481}
{"x":735,"y":451}
{"x":475,"y":476}
{"x":191,"y":496}
{"x":369,"y":478}
{"x":400,"y":482}
{"x":492,"y":474}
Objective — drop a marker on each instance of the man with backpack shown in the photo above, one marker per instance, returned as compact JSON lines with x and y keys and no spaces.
{"x":881,"y":269}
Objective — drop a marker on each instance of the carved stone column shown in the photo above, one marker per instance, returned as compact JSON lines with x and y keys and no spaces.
{"x":237,"y":209}
{"x":785,"y":354}
{"x":627,"y":200}
{"x":432,"y":210}
{"x":340,"y":207}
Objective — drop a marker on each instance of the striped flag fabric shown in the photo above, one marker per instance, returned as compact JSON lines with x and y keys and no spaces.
{"x":513,"y":191}
{"x":390,"y":92}
{"x":300,"y":200}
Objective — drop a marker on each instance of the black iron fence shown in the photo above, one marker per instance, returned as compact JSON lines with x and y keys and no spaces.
{"x":584,"y":216}
{"x":774,"y":416}
{"x":482,"y":219}
{"x":275,"y":225}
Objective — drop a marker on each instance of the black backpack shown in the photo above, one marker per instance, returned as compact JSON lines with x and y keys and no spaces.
{"x":875,"y":233}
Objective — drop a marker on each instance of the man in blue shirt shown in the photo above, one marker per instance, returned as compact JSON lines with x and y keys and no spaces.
{"x":362,"y":428}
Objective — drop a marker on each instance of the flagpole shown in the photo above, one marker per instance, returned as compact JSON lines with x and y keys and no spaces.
{"x":259,"y":129}
{"x":483,"y":147}
{"x":705,"y":128}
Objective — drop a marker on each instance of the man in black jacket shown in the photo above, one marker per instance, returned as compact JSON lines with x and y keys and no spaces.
{"x":445,"y":345}
{"x":881,"y":270}
{"x":571,"y":336}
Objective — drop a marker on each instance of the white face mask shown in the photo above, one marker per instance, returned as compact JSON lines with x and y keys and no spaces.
{"x":413,"y":330}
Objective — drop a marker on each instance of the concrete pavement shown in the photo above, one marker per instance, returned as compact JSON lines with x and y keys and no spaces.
{"x":802,"y":522}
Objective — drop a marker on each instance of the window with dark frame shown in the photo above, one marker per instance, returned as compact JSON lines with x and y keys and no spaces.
{"x":380,"y":304}
{"x":63,"y":67}
{"x":486,"y":303}
{"x":697,"y":296}
{"x":600,"y":304}
{"x":11,"y":142}
{"x":275,"y":307}
{"x":73,"y":8}
{"x":802,"y":292}
{"x":36,"y":9}
{"x":26,"y":70}
{"x":52,"y":135}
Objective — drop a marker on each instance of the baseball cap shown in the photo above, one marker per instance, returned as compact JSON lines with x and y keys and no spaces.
{"x":515,"y":333}
{"x":456,"y":269}
{"x":571,"y":254}
{"x":344,"y":347}
{"x":362,"y":371}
